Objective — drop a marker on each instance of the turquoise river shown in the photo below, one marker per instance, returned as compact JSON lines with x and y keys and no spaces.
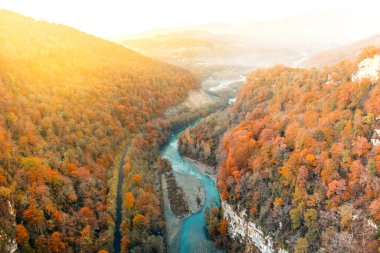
{"x":192,"y":236}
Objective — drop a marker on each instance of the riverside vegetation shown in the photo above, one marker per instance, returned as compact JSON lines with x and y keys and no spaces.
{"x":294,"y":153}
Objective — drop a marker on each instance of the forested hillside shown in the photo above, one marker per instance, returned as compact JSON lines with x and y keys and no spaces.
{"x":201,"y":142}
{"x":298,"y":157}
{"x":68,"y":104}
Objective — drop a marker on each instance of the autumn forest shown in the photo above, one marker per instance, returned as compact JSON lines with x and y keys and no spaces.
{"x":158,"y":149}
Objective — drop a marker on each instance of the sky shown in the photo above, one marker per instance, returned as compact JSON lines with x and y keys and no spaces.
{"x":113,"y":18}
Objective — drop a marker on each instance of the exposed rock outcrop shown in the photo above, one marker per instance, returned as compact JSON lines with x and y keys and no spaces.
{"x":7,"y":236}
{"x":368,"y":68}
{"x":376,"y":136}
{"x":247,"y":232}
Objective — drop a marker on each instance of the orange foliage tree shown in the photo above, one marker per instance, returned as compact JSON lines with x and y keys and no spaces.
{"x":129,"y":200}
{"x":22,"y":235}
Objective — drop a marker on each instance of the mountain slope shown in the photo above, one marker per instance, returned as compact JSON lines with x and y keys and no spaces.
{"x":298,"y":164}
{"x":227,"y":50}
{"x":348,"y":52}
{"x":68,"y":103}
{"x":256,"y":44}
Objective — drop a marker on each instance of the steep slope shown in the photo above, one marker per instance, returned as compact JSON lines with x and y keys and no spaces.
{"x":297,"y":169}
{"x":68,"y":104}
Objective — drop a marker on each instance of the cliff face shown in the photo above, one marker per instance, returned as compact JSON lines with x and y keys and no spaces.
{"x":376,"y":137}
{"x":368,"y":68}
{"x":375,"y":140}
{"x":7,"y":237}
{"x":247,"y":232}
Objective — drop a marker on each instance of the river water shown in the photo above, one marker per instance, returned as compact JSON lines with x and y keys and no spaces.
{"x":192,"y":236}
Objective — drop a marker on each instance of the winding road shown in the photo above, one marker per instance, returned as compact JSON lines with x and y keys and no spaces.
{"x":119,"y":201}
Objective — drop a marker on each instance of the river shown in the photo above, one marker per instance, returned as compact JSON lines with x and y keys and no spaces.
{"x":192,"y":237}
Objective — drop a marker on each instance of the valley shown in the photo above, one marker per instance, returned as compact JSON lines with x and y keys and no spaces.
{"x":258,"y":136}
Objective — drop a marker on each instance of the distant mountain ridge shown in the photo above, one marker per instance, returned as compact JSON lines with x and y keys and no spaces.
{"x":289,"y":41}
{"x":347,"y":52}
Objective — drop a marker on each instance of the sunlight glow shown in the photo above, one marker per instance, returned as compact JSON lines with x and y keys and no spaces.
{"x":123,"y":17}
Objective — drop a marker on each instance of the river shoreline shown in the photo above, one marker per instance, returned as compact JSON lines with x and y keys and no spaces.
{"x":189,"y":234}
{"x":203,"y":168}
{"x":193,"y":189}
{"x":173,"y":222}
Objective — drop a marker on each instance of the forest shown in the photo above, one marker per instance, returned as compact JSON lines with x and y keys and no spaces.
{"x":69,"y":103}
{"x":294,"y":152}
{"x":201,"y":142}
{"x":82,"y":121}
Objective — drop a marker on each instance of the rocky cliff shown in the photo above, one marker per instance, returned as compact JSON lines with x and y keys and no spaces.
{"x":7,"y":237}
{"x":376,"y":137}
{"x":247,"y":232}
{"x":368,"y":68}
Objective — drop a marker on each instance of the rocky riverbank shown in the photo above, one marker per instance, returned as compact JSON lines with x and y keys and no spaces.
{"x":205,"y":169}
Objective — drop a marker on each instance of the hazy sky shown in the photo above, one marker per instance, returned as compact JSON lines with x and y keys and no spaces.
{"x":120,"y":17}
